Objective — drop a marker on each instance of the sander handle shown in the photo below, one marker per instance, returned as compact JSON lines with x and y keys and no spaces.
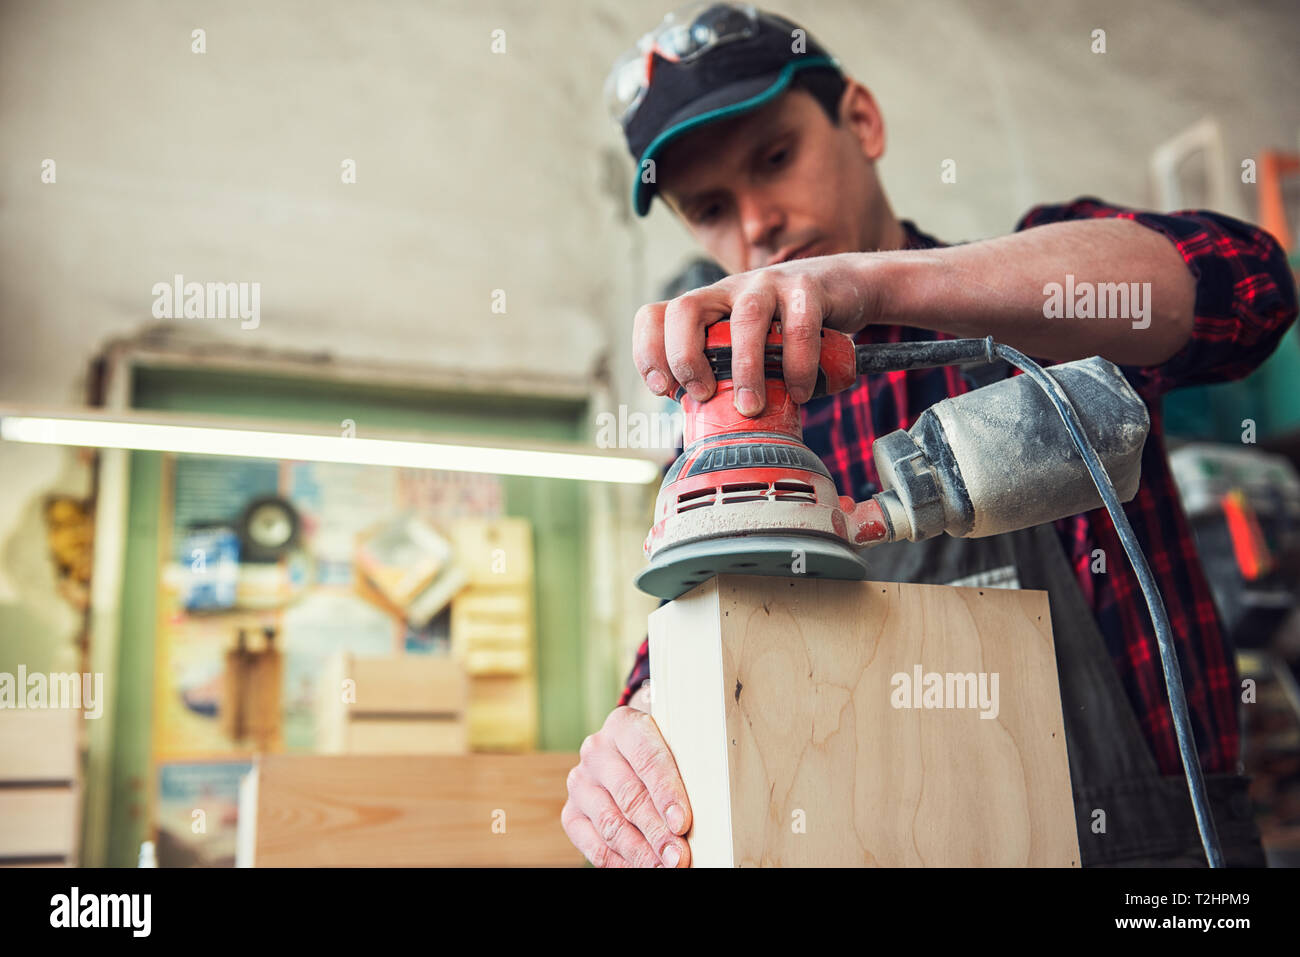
{"x":902,"y":356}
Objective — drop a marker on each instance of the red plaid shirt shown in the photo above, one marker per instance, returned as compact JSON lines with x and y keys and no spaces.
{"x":1245,"y":301}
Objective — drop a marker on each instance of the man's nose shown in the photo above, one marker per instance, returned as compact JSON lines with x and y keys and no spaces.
{"x":762,"y":222}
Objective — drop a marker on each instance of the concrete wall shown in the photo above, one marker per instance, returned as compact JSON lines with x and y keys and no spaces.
{"x":479,"y":171}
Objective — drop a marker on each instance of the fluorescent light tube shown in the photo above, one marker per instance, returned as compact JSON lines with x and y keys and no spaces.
{"x":249,"y":443}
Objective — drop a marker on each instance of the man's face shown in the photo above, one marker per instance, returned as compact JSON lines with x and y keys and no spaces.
{"x":780,"y":183}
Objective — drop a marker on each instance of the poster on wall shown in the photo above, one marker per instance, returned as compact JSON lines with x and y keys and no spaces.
{"x":272,"y":567}
{"x":196,"y":813}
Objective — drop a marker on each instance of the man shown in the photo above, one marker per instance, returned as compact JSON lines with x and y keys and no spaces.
{"x":746,"y":128}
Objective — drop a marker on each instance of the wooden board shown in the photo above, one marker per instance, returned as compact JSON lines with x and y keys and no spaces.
{"x":497,"y":603}
{"x":417,"y":684}
{"x":39,"y":745}
{"x":777,"y":697}
{"x":39,"y":822}
{"x":407,"y":704}
{"x":496,"y":551}
{"x":503,"y":713}
{"x":492,"y":629}
{"x":357,"y":811}
{"x":408,"y":735}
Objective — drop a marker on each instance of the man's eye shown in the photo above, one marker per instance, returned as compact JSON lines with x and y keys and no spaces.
{"x":779,"y":157}
{"x":708,"y":213}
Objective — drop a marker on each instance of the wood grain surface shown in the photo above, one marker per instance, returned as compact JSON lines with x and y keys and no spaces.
{"x":40,"y":744}
{"x":777,"y":697}
{"x":39,"y":821}
{"x":474,"y":810}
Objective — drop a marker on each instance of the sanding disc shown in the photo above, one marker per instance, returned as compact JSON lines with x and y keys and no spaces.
{"x":675,"y":571}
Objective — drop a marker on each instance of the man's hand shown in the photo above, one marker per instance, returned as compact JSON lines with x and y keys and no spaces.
{"x":805,"y":294}
{"x":627,"y":804}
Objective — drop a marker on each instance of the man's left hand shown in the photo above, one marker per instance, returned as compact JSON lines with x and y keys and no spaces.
{"x":832,"y":291}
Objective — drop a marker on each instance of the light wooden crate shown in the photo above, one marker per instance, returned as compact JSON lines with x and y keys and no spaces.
{"x":40,"y":789}
{"x":406,"y":704}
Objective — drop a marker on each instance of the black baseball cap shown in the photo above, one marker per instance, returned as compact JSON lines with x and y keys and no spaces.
{"x":704,"y":63}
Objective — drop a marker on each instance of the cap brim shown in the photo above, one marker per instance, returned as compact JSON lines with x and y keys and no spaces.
{"x":735,"y":99}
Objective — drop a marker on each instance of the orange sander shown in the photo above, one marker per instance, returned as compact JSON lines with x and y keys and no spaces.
{"x":748,"y":497}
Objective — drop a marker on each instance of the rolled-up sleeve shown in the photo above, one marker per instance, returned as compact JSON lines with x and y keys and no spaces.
{"x":1245,"y":292}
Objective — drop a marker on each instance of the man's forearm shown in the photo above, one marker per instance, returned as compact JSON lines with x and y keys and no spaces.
{"x":999,"y":287}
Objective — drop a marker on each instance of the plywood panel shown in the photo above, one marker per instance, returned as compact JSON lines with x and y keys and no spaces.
{"x":418,"y":684}
{"x":495,"y":551}
{"x":357,"y":811}
{"x":39,"y":745}
{"x":503,"y":712}
{"x":499,"y":604}
{"x":38,"y":821}
{"x":778,"y":700}
{"x":410,"y":704}
{"x":408,"y":736}
{"x":687,"y":690}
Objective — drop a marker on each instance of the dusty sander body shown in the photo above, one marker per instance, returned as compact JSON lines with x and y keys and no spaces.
{"x":747,"y":496}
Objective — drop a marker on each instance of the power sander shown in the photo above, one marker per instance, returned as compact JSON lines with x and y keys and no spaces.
{"x":747,"y":496}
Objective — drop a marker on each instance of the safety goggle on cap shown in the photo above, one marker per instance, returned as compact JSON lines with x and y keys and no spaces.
{"x":705,"y":62}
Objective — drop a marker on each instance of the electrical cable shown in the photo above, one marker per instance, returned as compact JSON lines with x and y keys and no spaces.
{"x":1155,"y":605}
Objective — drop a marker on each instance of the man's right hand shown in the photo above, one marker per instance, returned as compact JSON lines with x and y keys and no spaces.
{"x":627,"y":805}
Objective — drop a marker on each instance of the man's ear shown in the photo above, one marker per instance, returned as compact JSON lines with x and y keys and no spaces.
{"x":860,"y":115}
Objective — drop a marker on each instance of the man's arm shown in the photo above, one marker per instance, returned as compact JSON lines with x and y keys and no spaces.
{"x":1220,"y":297}
{"x":1000,"y":288}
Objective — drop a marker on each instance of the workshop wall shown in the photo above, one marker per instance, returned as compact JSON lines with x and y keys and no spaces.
{"x":479,"y":171}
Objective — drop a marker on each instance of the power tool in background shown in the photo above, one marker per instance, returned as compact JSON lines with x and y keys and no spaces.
{"x":747,"y":496}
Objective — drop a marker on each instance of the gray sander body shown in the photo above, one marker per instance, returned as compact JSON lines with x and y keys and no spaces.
{"x":994,"y":460}
{"x":999,"y":459}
